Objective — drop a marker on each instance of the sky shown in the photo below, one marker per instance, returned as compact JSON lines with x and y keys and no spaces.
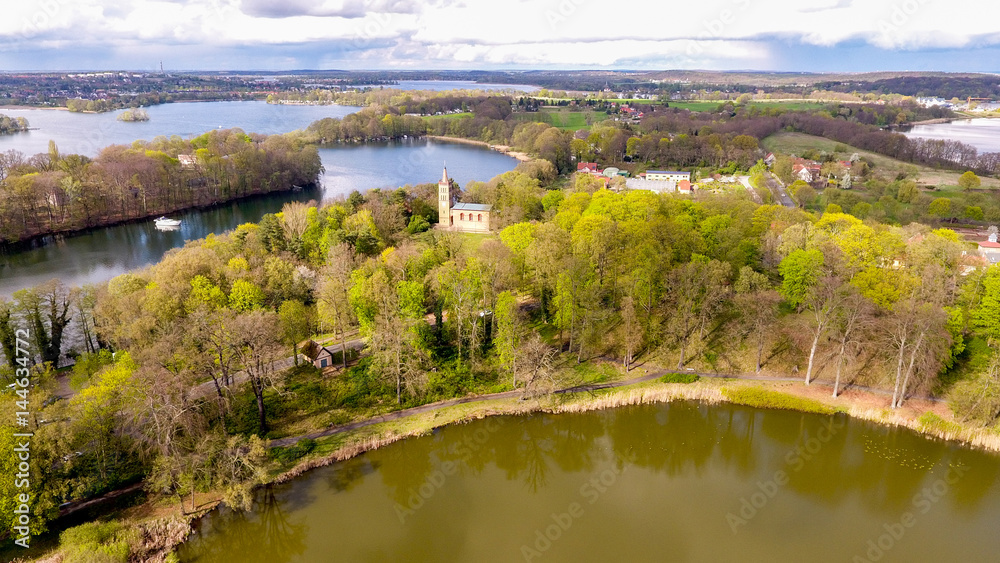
{"x":767,"y":35}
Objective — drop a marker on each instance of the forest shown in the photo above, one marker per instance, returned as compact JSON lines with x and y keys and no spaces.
{"x":54,"y":192}
{"x":177,"y":382}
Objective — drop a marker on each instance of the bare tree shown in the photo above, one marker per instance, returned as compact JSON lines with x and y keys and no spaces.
{"x":537,"y":366}
{"x":334,"y":303}
{"x":631,"y":332}
{"x":258,"y":348}
{"x":854,"y":313}
{"x":693,"y":290}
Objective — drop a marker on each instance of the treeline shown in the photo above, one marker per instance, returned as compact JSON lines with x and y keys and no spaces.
{"x":9,"y":125}
{"x":946,"y":86}
{"x":115,"y":102}
{"x":856,"y":126}
{"x":52,"y":192}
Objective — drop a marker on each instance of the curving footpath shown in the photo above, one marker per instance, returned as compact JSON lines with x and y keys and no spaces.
{"x":396,"y":415}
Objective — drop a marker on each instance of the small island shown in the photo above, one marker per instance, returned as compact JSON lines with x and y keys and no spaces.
{"x":10,"y":125}
{"x":133,"y":114}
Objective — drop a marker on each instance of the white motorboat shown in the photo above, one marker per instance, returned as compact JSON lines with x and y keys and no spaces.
{"x":164,"y":222}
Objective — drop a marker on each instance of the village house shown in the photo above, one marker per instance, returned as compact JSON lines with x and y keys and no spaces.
{"x":806,"y":170}
{"x":588,"y":168}
{"x":667,"y":175}
{"x":651,"y":185}
{"x":990,"y":251}
{"x":319,"y":356}
{"x":460,"y":217}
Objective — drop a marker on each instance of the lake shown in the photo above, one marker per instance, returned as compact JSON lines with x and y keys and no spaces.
{"x":88,"y":133}
{"x":675,"y":482}
{"x":101,"y":254}
{"x":982,"y":133}
{"x":440,"y":85}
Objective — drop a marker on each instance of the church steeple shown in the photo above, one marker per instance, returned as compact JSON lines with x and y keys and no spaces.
{"x":445,"y":199}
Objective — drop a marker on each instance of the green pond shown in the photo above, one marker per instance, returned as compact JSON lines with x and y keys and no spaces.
{"x":683,"y":481}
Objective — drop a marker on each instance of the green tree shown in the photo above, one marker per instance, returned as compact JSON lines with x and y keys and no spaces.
{"x":510,"y":332}
{"x":800,"y":271}
{"x":969,"y":181}
{"x":986,"y":317}
{"x":245,"y":296}
{"x":296,"y":324}
{"x":973,"y":212}
{"x":940,"y":207}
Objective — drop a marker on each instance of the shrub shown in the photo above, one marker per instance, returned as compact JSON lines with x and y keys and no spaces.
{"x":766,"y":399}
{"x":934,"y":424}
{"x":294,"y":452}
{"x":680,"y":378}
{"x":97,"y":542}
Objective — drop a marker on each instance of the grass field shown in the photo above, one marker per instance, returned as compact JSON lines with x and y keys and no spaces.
{"x":794,"y":106}
{"x":572,"y":120}
{"x":695,"y":106}
{"x":450,"y":115}
{"x":797,"y":143}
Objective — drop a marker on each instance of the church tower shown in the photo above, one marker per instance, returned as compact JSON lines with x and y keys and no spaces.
{"x":445,"y":199}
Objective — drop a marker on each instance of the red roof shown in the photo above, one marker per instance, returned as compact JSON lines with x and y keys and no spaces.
{"x":587,"y":165}
{"x":988,"y":244}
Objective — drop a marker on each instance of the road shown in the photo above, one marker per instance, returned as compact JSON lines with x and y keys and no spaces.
{"x":745,"y":180}
{"x":778,"y":189}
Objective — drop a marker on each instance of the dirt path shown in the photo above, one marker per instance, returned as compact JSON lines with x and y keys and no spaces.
{"x":430,"y":407}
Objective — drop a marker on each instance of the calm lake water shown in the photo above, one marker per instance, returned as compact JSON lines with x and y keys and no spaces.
{"x":88,"y":133}
{"x":983,"y":133}
{"x":676,"y":482}
{"x":104,"y":253}
{"x":440,"y":85}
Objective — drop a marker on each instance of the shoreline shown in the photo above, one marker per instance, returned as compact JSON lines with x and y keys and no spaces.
{"x":353,"y":439}
{"x":37,"y":241}
{"x":502,"y":149}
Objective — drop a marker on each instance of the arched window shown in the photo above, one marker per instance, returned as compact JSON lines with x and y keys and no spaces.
{"x":480,"y":217}
{"x":461,"y":216}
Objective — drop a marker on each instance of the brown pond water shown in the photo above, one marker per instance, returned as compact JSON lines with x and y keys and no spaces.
{"x":675,"y":482}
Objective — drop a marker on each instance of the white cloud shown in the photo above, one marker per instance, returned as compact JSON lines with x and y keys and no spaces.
{"x":525,"y":33}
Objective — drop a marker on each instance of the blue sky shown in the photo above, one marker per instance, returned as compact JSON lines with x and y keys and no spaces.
{"x":824,"y":35}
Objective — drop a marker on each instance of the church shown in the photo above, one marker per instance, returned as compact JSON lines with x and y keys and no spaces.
{"x":460,"y":217}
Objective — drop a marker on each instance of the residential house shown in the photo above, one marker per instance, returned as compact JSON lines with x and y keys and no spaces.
{"x":667,"y":175}
{"x":657,"y":186}
{"x":990,"y":250}
{"x":320,"y":356}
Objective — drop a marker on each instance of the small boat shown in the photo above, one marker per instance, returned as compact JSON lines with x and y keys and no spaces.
{"x":164,"y":222}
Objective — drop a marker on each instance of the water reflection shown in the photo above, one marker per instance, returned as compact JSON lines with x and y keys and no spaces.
{"x":479,"y":493}
{"x":266,"y":535}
